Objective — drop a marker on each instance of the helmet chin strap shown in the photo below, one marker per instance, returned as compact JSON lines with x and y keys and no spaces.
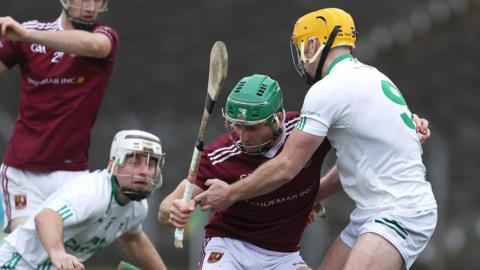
{"x":318,"y":74}
{"x":132,"y":194}
{"x":77,"y":23}
{"x":81,"y":24}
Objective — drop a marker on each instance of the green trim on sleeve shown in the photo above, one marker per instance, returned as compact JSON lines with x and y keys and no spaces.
{"x":65,"y":212}
{"x":301,"y":123}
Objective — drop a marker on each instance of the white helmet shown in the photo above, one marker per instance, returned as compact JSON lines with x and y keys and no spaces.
{"x":131,"y":142}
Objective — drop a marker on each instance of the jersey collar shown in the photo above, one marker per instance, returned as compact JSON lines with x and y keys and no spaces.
{"x":273,"y":151}
{"x":114,"y":191}
{"x":338,"y":60}
{"x":59,"y":23}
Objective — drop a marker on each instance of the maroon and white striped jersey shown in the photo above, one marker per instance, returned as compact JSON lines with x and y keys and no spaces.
{"x":274,"y":221}
{"x":60,"y":98}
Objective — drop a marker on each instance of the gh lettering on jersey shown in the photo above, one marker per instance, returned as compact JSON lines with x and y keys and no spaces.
{"x":37,"y":48}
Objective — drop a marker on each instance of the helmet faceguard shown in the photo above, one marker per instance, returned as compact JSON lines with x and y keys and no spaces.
{"x":255,"y":100}
{"x":333,"y":27}
{"x":79,"y":23}
{"x":140,"y":157}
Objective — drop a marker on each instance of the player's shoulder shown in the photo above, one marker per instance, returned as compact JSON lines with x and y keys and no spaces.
{"x":44,"y":26}
{"x":92,"y":191}
{"x":332,"y":90}
{"x":106,"y":30}
{"x":92,"y":184}
{"x":221,"y":141}
{"x":291,"y":116}
{"x":221,"y":148}
{"x":291,"y":120}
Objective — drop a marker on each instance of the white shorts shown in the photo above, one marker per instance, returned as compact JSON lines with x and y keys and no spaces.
{"x":25,"y":191}
{"x":409,"y":232}
{"x":231,"y":254}
{"x":11,"y":259}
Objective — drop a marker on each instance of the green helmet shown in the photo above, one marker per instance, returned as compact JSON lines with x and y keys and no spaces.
{"x":255,"y":99}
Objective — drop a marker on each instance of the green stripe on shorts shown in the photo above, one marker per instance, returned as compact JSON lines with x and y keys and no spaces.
{"x":394,"y":226}
{"x":12,"y":262}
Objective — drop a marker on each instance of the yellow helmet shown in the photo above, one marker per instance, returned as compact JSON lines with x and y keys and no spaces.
{"x":321,"y":23}
{"x":332,"y":26}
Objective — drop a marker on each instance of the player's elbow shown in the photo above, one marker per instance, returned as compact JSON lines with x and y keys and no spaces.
{"x":94,"y":45}
{"x":97,"y":50}
{"x":47,"y":216}
{"x":40,"y":219}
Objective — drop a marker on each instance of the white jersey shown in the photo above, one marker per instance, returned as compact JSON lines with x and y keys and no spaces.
{"x":91,"y":215}
{"x":370,"y":126}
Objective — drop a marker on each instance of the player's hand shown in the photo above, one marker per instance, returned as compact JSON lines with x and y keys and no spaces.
{"x":216,"y":197}
{"x":317,"y":211}
{"x":422,"y":128}
{"x":12,"y":30}
{"x":180,"y":213}
{"x":65,"y":261}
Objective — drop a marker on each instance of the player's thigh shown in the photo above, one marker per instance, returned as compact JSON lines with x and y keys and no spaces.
{"x":337,"y":256}
{"x":373,"y":252}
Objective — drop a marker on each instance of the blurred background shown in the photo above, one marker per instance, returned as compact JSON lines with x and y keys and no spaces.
{"x":427,"y":47}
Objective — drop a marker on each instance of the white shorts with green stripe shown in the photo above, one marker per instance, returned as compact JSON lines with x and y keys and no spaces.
{"x":10,"y":259}
{"x":25,"y":191}
{"x":409,"y":232}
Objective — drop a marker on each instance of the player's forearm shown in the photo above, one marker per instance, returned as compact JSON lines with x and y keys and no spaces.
{"x":75,"y":42}
{"x":49,"y":226}
{"x":329,"y":185}
{"x":298,"y":149}
{"x":268,"y":177}
{"x":142,"y":251}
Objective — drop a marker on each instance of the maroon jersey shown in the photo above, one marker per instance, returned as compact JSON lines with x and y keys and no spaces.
{"x":59,"y":102}
{"x":274,"y":221}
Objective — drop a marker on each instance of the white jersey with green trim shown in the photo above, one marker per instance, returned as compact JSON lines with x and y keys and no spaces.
{"x":370,"y":126}
{"x":91,"y":215}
